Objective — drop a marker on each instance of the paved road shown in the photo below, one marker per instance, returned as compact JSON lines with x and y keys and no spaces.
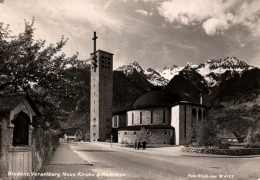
{"x":147,"y":165}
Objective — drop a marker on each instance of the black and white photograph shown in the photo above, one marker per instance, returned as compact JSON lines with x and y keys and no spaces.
{"x":130,"y":89}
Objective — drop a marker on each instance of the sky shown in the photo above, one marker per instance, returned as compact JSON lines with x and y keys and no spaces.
{"x":155,"y":33}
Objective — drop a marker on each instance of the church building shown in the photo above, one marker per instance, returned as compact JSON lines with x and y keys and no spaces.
{"x":164,"y":117}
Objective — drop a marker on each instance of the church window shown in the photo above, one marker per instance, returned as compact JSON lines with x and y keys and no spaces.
{"x":151,"y":117}
{"x":125,"y":133}
{"x":163,"y":116}
{"x":185,"y":122}
{"x":134,"y":133}
{"x":132,"y":118}
{"x":149,"y":133}
{"x":200,"y":114}
{"x":141,"y":118}
{"x":204,"y":114}
{"x":165,"y":133}
{"x":194,"y":113}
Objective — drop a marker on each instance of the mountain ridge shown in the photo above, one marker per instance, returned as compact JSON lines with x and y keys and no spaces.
{"x":213,"y":70}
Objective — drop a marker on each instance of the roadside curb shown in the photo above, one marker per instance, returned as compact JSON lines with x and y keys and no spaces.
{"x":80,"y":155}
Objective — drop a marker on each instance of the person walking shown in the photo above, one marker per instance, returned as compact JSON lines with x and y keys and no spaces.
{"x":144,"y":145}
{"x":138,"y":145}
{"x":135,"y":144}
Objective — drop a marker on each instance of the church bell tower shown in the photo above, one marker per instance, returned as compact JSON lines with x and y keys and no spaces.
{"x":101,"y":94}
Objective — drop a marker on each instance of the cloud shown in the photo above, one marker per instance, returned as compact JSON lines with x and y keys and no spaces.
{"x":214,"y":16}
{"x":143,"y":12}
{"x":215,"y":26}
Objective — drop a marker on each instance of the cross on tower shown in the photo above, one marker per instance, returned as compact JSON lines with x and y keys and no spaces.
{"x":94,"y":59}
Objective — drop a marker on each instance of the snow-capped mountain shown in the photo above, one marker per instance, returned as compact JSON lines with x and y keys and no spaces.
{"x":213,"y":71}
{"x":169,"y":73}
{"x":130,"y":68}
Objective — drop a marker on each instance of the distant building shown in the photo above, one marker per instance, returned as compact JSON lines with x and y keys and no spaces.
{"x":74,"y":134}
{"x":228,"y":137}
{"x":166,"y":119}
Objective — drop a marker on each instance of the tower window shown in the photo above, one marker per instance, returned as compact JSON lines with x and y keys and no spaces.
{"x":163,"y":116}
{"x":94,"y":134}
{"x":151,"y":117}
{"x":185,"y":121}
{"x":132,"y":118}
{"x":141,"y":118}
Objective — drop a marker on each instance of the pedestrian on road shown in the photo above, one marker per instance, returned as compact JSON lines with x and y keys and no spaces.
{"x":144,"y":145}
{"x":138,"y":145}
{"x":135,"y":144}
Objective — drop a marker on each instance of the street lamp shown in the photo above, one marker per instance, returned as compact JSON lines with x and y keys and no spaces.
{"x":111,"y":140}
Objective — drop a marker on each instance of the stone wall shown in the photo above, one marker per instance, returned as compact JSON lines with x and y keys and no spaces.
{"x":5,"y":140}
{"x":146,"y":116}
{"x":155,"y":136}
{"x":44,"y":143}
{"x":232,"y":152}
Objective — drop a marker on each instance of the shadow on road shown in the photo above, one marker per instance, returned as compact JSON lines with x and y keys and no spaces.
{"x":91,"y":150}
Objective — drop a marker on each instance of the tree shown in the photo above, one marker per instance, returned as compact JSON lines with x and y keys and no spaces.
{"x":206,"y":133}
{"x":28,"y":65}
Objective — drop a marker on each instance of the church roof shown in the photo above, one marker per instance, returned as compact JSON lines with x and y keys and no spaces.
{"x":157,"y":96}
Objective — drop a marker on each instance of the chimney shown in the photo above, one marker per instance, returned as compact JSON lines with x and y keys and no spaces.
{"x":201,"y":99}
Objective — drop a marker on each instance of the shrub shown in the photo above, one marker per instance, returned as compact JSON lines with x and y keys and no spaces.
{"x":224,"y":145}
{"x":194,"y":144}
{"x":252,"y":145}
